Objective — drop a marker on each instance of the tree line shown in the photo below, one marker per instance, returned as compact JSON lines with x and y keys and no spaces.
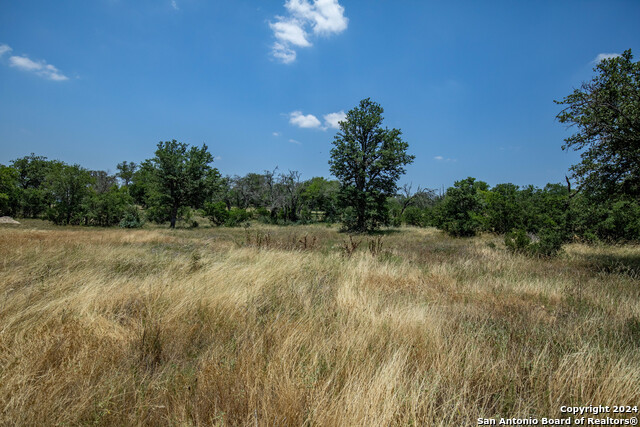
{"x":600,"y":200}
{"x":35,"y":187}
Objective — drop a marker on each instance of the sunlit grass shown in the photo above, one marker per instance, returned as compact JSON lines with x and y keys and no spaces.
{"x":258,"y":325}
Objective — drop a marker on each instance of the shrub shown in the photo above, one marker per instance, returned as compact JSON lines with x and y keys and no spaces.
{"x":216,"y":212}
{"x":413,"y":215}
{"x":517,"y":241}
{"x":548,"y":243}
{"x":460,"y":213}
{"x":305,"y":216}
{"x":262,"y":214}
{"x":131,"y":219}
{"x":108,"y":208}
{"x":236,"y":217}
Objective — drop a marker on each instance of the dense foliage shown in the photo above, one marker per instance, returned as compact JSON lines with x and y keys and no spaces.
{"x":178,"y":177}
{"x":70,"y":194}
{"x":460,"y":213}
{"x":606,"y":112}
{"x":368,"y":160}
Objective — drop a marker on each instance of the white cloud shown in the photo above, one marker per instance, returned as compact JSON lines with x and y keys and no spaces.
{"x":276,"y":134}
{"x":309,"y":121}
{"x":322,"y":17}
{"x":4,"y":48}
{"x":602,"y":56}
{"x":174,"y":5}
{"x":293,"y":141}
{"x":24,"y":63}
{"x":439,"y":158}
{"x":40,"y":68}
{"x":326,"y":16}
{"x":332,"y":120}
{"x":283,"y":53}
{"x":290,"y":33}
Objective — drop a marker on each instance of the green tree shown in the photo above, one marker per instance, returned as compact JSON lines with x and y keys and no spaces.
{"x":413,"y":215}
{"x":32,"y":174}
{"x":126,"y":171}
{"x":503,"y":212}
{"x":320,"y":198}
{"x":368,"y":160}
{"x":141,"y":184}
{"x":460,"y":213}
{"x":9,"y":190}
{"x":180,"y":177}
{"x":102,"y":181}
{"x":288,"y":190}
{"x":606,"y":112}
{"x":68,"y":187}
{"x":109,"y":208}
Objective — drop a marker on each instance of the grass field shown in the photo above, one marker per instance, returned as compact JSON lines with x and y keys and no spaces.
{"x":298,"y":326}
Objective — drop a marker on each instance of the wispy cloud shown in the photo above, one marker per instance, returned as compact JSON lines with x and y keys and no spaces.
{"x":442,"y":159}
{"x":276,"y":134}
{"x":4,"y":48}
{"x":41,"y":68}
{"x":293,"y":141}
{"x":602,"y":56}
{"x":332,"y":120}
{"x":309,"y":121}
{"x":174,"y":5}
{"x":320,"y":18}
{"x":283,"y":53}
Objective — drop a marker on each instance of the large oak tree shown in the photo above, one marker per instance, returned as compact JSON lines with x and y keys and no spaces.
{"x":180,"y":177}
{"x":368,"y":160}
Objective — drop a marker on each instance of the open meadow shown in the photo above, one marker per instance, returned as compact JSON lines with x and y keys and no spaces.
{"x":297,"y":326}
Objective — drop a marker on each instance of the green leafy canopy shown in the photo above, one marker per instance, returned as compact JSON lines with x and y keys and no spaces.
{"x":606,"y":113}
{"x":368,"y":160}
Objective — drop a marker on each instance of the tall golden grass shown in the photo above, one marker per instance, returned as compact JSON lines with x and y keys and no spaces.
{"x":264,"y":327}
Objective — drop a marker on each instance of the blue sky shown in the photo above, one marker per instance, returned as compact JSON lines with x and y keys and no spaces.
{"x":471,"y":84}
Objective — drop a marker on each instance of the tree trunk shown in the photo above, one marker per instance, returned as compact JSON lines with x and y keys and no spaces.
{"x":568,"y":220}
{"x":174,"y":216}
{"x":361,"y":212}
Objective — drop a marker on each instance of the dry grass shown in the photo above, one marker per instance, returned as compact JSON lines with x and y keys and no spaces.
{"x":231,"y":327}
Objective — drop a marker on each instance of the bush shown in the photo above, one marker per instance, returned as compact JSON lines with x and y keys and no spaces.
{"x":236,"y":217}
{"x":108,"y":208}
{"x":348,"y":218}
{"x":262,"y":214}
{"x":216,"y":212}
{"x":460,"y":213}
{"x":517,"y":241}
{"x":548,"y":243}
{"x":413,"y":215}
{"x":131,"y":219}
{"x":157,"y":214}
{"x":305,"y":216}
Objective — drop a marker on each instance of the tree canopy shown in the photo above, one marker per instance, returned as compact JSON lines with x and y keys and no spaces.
{"x":179,"y":176}
{"x":606,"y":113}
{"x":368,"y":160}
